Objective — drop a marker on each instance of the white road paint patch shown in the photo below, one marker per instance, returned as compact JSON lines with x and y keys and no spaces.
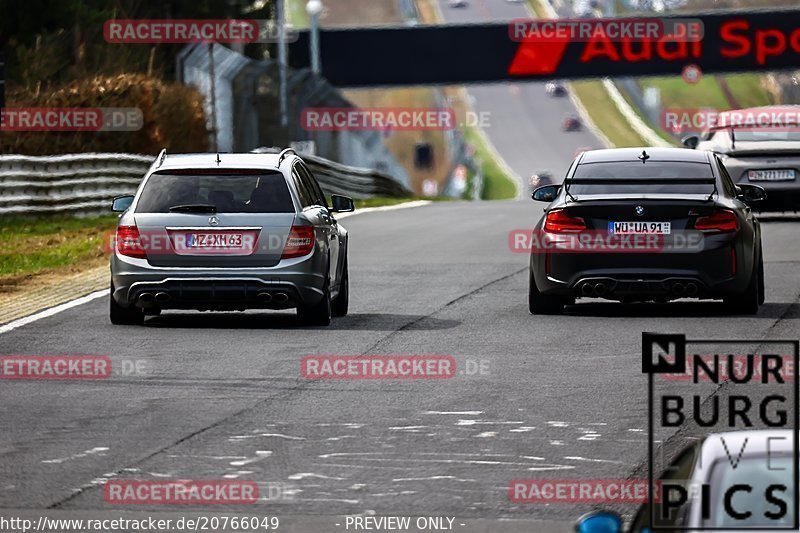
{"x":407,"y":428}
{"x":557,"y":442}
{"x":401,"y":493}
{"x":553,"y":467}
{"x":486,"y":434}
{"x":357,"y":486}
{"x":24,"y":321}
{"x":87,"y":453}
{"x":570,"y":458}
{"x":461,"y":413}
{"x":234,"y":475}
{"x":432,"y":478}
{"x":340,"y":438}
{"x":535,"y":458}
{"x":304,"y":475}
{"x":463,"y":422}
{"x":557,"y":424}
{"x":523,"y":429}
{"x":260,"y":456}
{"x":277,"y":435}
{"x":589,"y":436}
{"x":159,"y":474}
{"x":635,"y":430}
{"x":348,"y":425}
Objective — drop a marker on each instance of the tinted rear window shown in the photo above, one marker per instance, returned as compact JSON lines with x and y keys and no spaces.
{"x":250,"y":193}
{"x":653,"y":177}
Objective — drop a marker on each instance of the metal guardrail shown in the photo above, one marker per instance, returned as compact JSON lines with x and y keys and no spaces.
{"x":335,"y":178}
{"x":84,"y":184}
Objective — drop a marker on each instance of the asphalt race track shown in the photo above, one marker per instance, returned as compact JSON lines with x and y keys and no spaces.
{"x":221,"y":395}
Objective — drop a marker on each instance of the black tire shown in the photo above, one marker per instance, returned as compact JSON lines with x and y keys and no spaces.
{"x":318,"y":314}
{"x":543,"y":304}
{"x":747,"y":303}
{"x":123,"y":316}
{"x":341,"y":303}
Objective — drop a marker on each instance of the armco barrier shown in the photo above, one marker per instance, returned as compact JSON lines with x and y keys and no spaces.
{"x":83,"y":184}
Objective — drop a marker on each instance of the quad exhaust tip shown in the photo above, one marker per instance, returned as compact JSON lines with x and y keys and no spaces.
{"x":281,"y":297}
{"x":678,"y":289}
{"x":691,"y":289}
{"x":264,"y":297}
{"x":162,"y":297}
{"x":600,"y":289}
{"x":146,"y":297}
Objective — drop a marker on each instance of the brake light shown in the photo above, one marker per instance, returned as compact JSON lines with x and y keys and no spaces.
{"x":558,"y":221}
{"x":720,"y":220}
{"x":299,"y":243}
{"x":129,"y":242}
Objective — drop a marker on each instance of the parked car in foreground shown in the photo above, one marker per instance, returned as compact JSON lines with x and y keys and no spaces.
{"x":756,"y":494}
{"x":229,"y":232}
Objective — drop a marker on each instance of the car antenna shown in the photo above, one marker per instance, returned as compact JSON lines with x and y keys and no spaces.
{"x":218,"y":159}
{"x":733,"y":139}
{"x":644,"y":157}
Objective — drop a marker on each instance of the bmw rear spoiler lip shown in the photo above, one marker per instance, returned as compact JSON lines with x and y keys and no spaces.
{"x":642,"y":197}
{"x":642,"y":181}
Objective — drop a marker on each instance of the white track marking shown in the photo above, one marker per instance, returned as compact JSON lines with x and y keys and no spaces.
{"x":14,"y":324}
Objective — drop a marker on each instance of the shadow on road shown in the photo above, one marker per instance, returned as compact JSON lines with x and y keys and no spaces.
{"x":678,"y":309}
{"x":353,"y":321}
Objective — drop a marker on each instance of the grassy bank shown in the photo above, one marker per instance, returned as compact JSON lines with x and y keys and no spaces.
{"x":34,"y":246}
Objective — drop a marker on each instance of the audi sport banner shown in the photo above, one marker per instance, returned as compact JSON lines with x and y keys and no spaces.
{"x":555,"y":48}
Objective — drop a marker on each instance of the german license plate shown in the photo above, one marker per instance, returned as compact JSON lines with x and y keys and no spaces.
{"x":639,"y":228}
{"x":215,"y":240}
{"x":780,"y":174}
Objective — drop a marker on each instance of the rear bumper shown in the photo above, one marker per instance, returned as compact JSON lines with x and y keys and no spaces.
{"x":289,"y":284}
{"x":708,"y":274}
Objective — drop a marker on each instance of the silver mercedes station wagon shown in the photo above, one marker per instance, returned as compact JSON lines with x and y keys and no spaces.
{"x":229,"y":232}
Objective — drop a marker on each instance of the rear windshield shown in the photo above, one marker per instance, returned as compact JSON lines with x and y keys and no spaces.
{"x":252,"y":193}
{"x":653,"y":177}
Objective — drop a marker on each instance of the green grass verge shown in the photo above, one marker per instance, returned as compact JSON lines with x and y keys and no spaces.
{"x":497,"y":185}
{"x":380,"y":201}
{"x":30,"y":246}
{"x":604,"y":113}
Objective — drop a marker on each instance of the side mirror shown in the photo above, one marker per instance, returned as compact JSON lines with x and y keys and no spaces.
{"x":121,"y":203}
{"x":750,"y":193}
{"x":342,"y":204}
{"x":547,"y":193}
{"x":691,"y":141}
{"x":599,"y":522}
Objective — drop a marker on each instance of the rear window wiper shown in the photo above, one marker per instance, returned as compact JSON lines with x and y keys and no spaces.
{"x":194,"y":208}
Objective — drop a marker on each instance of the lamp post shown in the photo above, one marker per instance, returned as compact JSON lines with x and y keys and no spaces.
{"x":314,"y":8}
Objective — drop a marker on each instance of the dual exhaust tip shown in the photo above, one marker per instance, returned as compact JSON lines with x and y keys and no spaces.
{"x":688,"y":289}
{"x":594,"y":289}
{"x":267,"y":297}
{"x":149,"y":297}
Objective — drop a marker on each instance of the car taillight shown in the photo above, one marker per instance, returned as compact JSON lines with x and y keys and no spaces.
{"x":129,"y":242}
{"x":719,"y":220}
{"x":558,"y":221}
{"x":299,"y":243}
